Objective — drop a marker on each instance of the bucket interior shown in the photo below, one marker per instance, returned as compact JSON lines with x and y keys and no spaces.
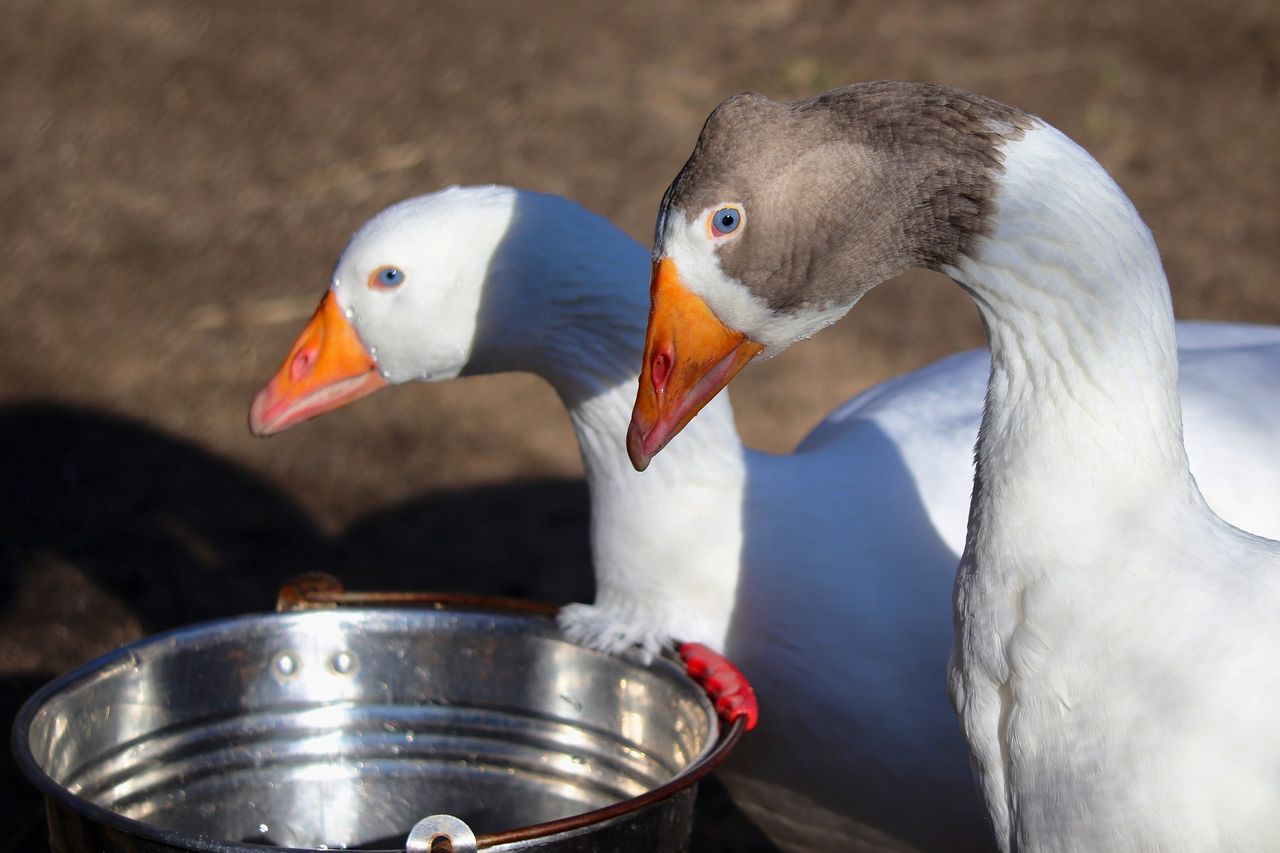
{"x":341,"y":729}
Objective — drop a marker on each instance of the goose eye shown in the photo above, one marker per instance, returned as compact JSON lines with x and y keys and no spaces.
{"x":387,"y":277}
{"x":725,"y":221}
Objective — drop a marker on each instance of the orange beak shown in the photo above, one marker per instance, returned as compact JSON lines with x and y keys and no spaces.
{"x":689,"y":355}
{"x":328,"y":367}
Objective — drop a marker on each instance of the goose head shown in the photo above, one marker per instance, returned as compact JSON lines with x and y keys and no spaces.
{"x":428,"y":289}
{"x":786,"y":214}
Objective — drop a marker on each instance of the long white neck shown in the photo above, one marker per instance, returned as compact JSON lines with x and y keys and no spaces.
{"x":1082,"y":419}
{"x":1088,"y":541}
{"x":667,"y":543}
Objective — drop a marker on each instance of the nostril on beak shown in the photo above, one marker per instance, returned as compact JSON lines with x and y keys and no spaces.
{"x":660,"y":369}
{"x":301,"y":363}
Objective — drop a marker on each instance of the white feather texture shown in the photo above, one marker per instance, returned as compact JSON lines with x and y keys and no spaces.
{"x":1115,"y":642}
{"x":825,"y":574}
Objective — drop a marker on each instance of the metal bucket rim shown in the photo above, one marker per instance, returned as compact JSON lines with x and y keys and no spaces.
{"x":717,"y":751}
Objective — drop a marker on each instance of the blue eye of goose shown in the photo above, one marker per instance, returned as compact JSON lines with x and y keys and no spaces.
{"x":726,"y":220}
{"x":390,"y":276}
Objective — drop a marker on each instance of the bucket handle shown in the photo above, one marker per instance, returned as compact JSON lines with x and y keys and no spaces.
{"x":320,"y":591}
{"x":441,"y":833}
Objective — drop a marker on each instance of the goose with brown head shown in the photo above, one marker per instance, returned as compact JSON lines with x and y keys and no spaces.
{"x":786,"y":214}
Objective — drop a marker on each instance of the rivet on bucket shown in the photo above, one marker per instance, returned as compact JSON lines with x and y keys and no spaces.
{"x":441,"y":833}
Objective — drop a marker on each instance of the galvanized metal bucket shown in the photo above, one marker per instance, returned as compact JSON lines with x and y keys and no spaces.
{"x":455,"y":724}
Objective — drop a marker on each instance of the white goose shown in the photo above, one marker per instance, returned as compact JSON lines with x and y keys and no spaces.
{"x":1115,"y":643}
{"x":825,"y":574}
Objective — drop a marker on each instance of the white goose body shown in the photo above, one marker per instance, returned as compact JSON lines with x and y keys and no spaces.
{"x":826,"y":575}
{"x":1115,"y":639}
{"x":1115,"y":643}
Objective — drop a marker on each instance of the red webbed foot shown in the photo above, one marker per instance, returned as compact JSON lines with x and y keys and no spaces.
{"x":724,"y":683}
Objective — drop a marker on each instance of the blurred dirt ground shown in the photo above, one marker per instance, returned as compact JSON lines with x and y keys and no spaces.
{"x":178,"y":178}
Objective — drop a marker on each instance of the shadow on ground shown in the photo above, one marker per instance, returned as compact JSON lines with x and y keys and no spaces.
{"x":113,"y":530}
